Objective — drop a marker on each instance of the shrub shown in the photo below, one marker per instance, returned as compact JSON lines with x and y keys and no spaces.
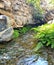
{"x":44,"y":35}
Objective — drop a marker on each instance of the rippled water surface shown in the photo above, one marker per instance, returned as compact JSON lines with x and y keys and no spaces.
{"x":19,"y":52}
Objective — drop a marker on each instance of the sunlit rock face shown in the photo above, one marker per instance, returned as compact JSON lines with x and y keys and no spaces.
{"x":22,"y":12}
{"x":47,"y":4}
{"x":48,"y":7}
{"x":6,"y":31}
{"x":18,"y":10}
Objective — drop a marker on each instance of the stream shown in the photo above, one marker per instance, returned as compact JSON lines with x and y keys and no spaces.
{"x":20,"y":52}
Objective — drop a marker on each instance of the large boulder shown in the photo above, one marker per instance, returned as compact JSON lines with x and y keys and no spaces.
{"x":18,"y":10}
{"x":6,"y":31}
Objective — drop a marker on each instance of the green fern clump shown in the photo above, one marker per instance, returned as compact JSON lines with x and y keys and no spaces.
{"x":44,"y":35}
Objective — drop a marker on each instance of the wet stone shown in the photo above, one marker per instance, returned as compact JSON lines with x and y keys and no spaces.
{"x":32,"y":60}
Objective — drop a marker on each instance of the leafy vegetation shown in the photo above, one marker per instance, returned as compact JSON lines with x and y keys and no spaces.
{"x":44,"y":35}
{"x":24,"y":29}
{"x":21,"y":31}
{"x":51,"y":2}
{"x":15,"y":34}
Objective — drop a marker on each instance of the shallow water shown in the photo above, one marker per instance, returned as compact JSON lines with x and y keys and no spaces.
{"x":20,"y":52}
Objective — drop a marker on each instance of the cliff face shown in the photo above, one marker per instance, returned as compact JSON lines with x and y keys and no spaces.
{"x":18,"y":11}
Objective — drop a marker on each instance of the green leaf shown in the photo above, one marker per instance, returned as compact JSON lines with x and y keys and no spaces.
{"x":39,"y":45}
{"x":48,"y":43}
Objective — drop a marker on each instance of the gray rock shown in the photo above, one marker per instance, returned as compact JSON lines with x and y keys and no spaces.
{"x":6,"y":32}
{"x":47,"y":5}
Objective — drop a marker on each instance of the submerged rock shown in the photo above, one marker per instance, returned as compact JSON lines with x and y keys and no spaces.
{"x":6,"y":31}
{"x":32,"y":60}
